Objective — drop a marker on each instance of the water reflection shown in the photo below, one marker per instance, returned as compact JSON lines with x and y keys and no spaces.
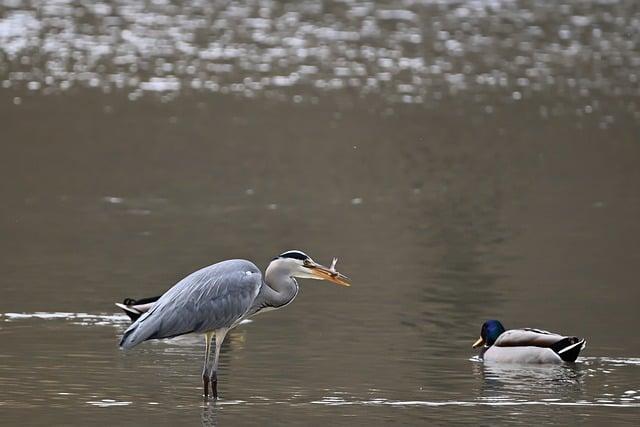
{"x":413,"y":53}
{"x":210,"y":414}
{"x":165,"y":385}
{"x":448,"y":168}
{"x":515,"y":381}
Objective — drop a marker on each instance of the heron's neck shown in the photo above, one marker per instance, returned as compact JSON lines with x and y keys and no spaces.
{"x":283,"y":288}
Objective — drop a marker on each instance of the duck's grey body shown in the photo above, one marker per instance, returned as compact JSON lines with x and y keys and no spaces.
{"x":523,"y":346}
{"x":520,"y":355}
{"x":530,"y":346}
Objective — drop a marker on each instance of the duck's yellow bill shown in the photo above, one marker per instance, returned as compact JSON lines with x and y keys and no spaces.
{"x":478,"y":343}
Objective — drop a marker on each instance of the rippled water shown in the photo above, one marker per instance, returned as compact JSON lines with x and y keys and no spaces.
{"x":406,"y":51}
{"x":465,"y":160}
{"x":594,"y":389}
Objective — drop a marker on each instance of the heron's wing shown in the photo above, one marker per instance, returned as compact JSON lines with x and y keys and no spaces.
{"x":215,"y":297}
{"x":527,"y":337}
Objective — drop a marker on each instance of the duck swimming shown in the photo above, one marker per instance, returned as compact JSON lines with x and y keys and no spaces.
{"x":136,"y":308}
{"x":526,"y":345}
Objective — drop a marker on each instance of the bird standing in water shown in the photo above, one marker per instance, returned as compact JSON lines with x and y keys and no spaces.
{"x":215,"y":299}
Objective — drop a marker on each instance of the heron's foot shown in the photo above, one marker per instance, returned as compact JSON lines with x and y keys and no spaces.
{"x":214,"y":384}
{"x":205,"y":384}
{"x":214,"y":389}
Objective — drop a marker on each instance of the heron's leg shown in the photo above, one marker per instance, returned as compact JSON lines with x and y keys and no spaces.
{"x":205,"y":371}
{"x":220,"y":334}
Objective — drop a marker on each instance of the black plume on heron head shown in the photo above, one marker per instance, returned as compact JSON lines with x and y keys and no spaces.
{"x":298,"y":264}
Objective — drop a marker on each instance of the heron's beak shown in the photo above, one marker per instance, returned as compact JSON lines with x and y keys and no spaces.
{"x":324,"y":273}
{"x":478,"y":343}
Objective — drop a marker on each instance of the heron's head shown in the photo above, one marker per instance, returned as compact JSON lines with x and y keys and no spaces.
{"x":298,"y":264}
{"x":491,"y":330}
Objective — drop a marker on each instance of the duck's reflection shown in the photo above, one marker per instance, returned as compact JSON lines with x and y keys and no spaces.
{"x":530,"y":382}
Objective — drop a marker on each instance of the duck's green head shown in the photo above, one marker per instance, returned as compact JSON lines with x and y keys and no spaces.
{"x":491,"y":330}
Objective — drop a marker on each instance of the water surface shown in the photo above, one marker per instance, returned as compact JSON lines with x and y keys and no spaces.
{"x":465,"y":160}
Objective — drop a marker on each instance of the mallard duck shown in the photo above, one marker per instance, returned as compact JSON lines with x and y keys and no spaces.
{"x":136,"y":308}
{"x":526,"y":345}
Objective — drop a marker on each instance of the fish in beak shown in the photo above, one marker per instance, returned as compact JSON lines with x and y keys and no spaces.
{"x":478,"y":343}
{"x":328,"y":273}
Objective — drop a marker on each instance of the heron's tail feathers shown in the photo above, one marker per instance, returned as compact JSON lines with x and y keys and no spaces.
{"x":135,"y":334}
{"x":128,"y":340}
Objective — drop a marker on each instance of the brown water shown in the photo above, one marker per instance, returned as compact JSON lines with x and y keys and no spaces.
{"x":465,"y":160}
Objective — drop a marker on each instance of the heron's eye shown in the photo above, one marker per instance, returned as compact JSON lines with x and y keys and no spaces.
{"x":306,"y":263}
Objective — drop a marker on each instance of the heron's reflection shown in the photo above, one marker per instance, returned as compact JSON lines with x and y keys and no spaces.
{"x":210,"y":413}
{"x":235,"y":341}
{"x":521,"y":381}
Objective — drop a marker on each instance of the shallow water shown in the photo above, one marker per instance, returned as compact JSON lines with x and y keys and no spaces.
{"x":464,"y":160}
{"x":160,"y":381}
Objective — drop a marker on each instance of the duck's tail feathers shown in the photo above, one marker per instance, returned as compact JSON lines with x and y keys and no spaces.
{"x":129,"y":311}
{"x":131,"y":301}
{"x":569,"y":348}
{"x":136,"y":308}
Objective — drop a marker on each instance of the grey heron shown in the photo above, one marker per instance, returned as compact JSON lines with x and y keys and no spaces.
{"x":215,"y":299}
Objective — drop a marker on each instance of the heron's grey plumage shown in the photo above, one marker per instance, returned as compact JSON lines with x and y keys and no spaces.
{"x":217,"y":296}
